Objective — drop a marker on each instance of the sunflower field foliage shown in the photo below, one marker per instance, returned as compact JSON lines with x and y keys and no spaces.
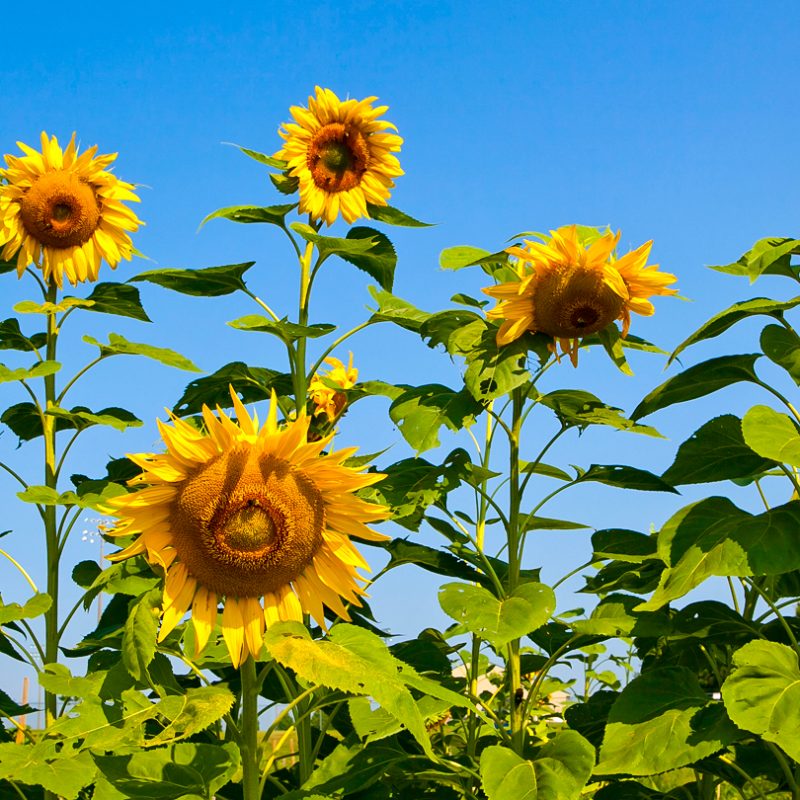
{"x":237,"y":656}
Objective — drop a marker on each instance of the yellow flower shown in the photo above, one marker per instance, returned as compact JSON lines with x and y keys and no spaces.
{"x":341,"y":156}
{"x":64,"y":212}
{"x":256,"y":518}
{"x":326,"y":399}
{"x":567,"y":290}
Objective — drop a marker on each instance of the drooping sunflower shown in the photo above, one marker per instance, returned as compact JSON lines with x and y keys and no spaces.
{"x":568,"y":290}
{"x":64,"y":212}
{"x":255,"y":518}
{"x":328,"y":400}
{"x":341,"y":155}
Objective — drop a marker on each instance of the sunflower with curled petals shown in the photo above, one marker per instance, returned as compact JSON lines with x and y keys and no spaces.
{"x":64,"y":212}
{"x":258,"y":519}
{"x":341,"y":155}
{"x":569,"y":290}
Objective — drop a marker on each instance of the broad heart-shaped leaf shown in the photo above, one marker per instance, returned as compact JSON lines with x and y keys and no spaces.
{"x":38,"y":370}
{"x":119,"y":345}
{"x":34,"y":607}
{"x":206,"y":282}
{"x":12,"y":338}
{"x":171,"y":773}
{"x":762,"y":694}
{"x":772,"y":435}
{"x":714,"y":537}
{"x":563,"y":766}
{"x":273,"y":215}
{"x":574,"y":407}
{"x":396,"y":310}
{"x":80,"y":417}
{"x":507,"y":776}
{"x":139,"y":638}
{"x":782,"y":347}
{"x":287,"y":331}
{"x":625,"y":478}
{"x":715,"y":452}
{"x":252,"y":383}
{"x":650,"y":728}
{"x":60,"y":771}
{"x":421,"y":411}
{"x":379,"y":261}
{"x":697,"y":381}
{"x":498,"y":621}
{"x":392,"y":216}
{"x":770,"y":256}
{"x":119,"y":299}
{"x":356,"y":661}
{"x":719,"y":323}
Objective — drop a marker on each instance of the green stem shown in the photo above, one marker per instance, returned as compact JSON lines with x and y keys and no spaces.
{"x":251,"y":776}
{"x":22,"y":570}
{"x":785,"y":768}
{"x":344,"y":337}
{"x":13,"y":474}
{"x":299,"y":376}
{"x":77,"y":376}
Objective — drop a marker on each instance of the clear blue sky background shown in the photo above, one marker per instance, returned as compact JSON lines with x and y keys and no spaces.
{"x":672,"y":121}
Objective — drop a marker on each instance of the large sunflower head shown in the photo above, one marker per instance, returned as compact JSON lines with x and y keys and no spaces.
{"x":341,"y":155}
{"x":255,"y":518}
{"x":327,"y":399}
{"x":568,"y":289}
{"x":64,"y":212}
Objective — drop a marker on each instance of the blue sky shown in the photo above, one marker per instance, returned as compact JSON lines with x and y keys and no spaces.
{"x":672,"y":121}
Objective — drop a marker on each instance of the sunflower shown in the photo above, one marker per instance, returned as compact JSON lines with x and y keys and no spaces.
{"x":567,"y":290}
{"x":256,"y":518}
{"x":327,"y":400}
{"x":341,"y":156}
{"x":64,"y":212}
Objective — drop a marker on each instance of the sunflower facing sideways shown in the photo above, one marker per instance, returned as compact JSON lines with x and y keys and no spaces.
{"x":256,"y":518}
{"x":568,"y":290}
{"x":64,"y":212}
{"x":341,"y":155}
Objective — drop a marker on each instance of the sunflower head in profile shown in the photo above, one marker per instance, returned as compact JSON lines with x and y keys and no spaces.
{"x":64,"y":212}
{"x":257,"y":519}
{"x":568,"y":290}
{"x":341,"y":155}
{"x":326,"y":399}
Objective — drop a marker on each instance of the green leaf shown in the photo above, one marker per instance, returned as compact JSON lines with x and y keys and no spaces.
{"x":440,"y":562}
{"x":13,"y":709}
{"x":563,"y":766}
{"x":549,"y":471}
{"x":48,"y":308}
{"x":498,"y":621}
{"x":272,"y":215}
{"x":34,"y":607}
{"x":391,"y":216}
{"x":698,"y":381}
{"x":262,"y":158}
{"x":421,"y":411}
{"x":625,"y":478}
{"x":139,"y":637}
{"x":581,"y":409}
{"x":119,"y":299}
{"x":284,"y":182}
{"x":171,"y":773}
{"x":468,"y":300}
{"x":614,"y":616}
{"x":461,"y":256}
{"x":715,"y":452}
{"x":614,"y":345}
{"x":287,"y":331}
{"x":38,"y":370}
{"x":62,"y":772}
{"x":493,"y":372}
{"x":193,"y":711}
{"x":623,"y":545}
{"x":782,"y":347}
{"x":356,"y":661}
{"x":206,"y":282}
{"x":372,"y":725}
{"x":252,"y":383}
{"x":80,"y":418}
{"x":396,"y":310}
{"x":379,"y":261}
{"x":714,"y":537}
{"x":12,"y":338}
{"x":762,"y":694}
{"x":650,"y":728}
{"x":507,"y":776}
{"x":119,"y":345}
{"x":719,"y":323}
{"x":548,"y":524}
{"x":771,"y":435}
{"x":770,"y":256}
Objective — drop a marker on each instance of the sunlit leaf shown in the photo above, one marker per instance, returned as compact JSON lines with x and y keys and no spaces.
{"x":288,"y":331}
{"x":272,"y":215}
{"x":770,"y":256}
{"x":782,"y":347}
{"x":507,"y":776}
{"x":772,"y":435}
{"x":119,"y":345}
{"x":38,"y":370}
{"x":205,"y":282}
{"x":139,"y":637}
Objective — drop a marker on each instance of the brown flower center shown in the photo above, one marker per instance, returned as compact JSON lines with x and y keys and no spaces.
{"x":338,"y":157}
{"x":247,"y":523}
{"x":573,"y":302}
{"x":60,"y":210}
